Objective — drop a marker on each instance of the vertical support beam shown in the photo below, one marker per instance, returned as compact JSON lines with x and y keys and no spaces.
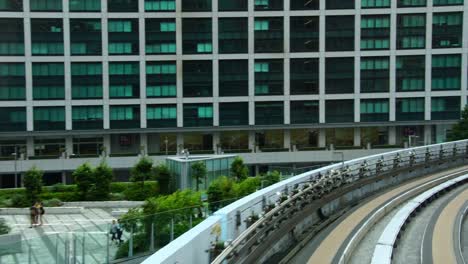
{"x":322,"y":138}
{"x":107,"y":144}
{"x":392,"y":135}
{"x":216,"y":142}
{"x":252,"y":140}
{"x":144,"y":143}
{"x":180,"y":141}
{"x":357,"y":136}
{"x":287,"y":139}
{"x":427,"y":134}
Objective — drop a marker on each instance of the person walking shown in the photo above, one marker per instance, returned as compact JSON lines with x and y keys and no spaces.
{"x":33,"y":215}
{"x":114,"y":231}
{"x":41,"y":213}
{"x":119,"y":232}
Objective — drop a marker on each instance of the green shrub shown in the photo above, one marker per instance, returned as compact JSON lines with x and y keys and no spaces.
{"x":140,"y":244}
{"x":20,"y":201}
{"x":60,"y":187}
{"x":63,"y":196}
{"x":119,"y":187}
{"x":32,"y":182}
{"x":52,"y":202}
{"x":136,"y":193}
{"x":4,"y":228}
{"x":117,"y":196}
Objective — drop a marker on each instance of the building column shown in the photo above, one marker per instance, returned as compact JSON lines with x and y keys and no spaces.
{"x":180,"y":142}
{"x":427,"y":134}
{"x":216,"y":143}
{"x":30,"y":146}
{"x":143,"y":144}
{"x":392,"y":135}
{"x":287,"y":139}
{"x":107,"y":144}
{"x":64,"y":177}
{"x":322,"y":141}
{"x":252,"y":140}
{"x":69,"y":146}
{"x":357,"y":136}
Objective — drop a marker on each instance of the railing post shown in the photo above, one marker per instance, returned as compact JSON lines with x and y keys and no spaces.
{"x":67,"y":250}
{"x":74,"y":248}
{"x":29,"y":253}
{"x":130,"y":243}
{"x":190,"y":221}
{"x":57,"y":249}
{"x":172,"y":228}
{"x":152,"y":237}
{"x":83,"y":250}
{"x":107,"y":246}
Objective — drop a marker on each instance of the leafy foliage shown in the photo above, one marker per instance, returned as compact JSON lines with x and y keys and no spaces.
{"x":198,"y":173}
{"x":142,"y":171}
{"x":33,"y":184}
{"x":4,"y":228}
{"x":239,"y":170}
{"x":163,"y":176}
{"x":83,"y":176}
{"x":102,"y":177}
{"x":271,"y":178}
{"x":460,"y":130}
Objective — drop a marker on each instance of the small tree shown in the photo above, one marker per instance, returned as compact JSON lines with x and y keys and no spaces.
{"x":102,"y":176}
{"x":460,"y":130}
{"x":163,"y":176}
{"x":199,"y":173}
{"x":239,"y":170}
{"x":83,"y":176}
{"x":4,"y":228}
{"x":142,"y":171}
{"x":33,"y":183}
{"x":271,"y":178}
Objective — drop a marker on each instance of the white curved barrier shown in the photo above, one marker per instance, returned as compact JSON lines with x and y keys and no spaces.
{"x":192,"y":246}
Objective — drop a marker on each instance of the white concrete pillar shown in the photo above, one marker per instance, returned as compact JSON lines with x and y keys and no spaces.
{"x":180,"y":141}
{"x":30,"y":146}
{"x":216,"y":142}
{"x":287,"y":139}
{"x":357,"y":136}
{"x":69,"y":146}
{"x":106,"y":141}
{"x":252,"y":140}
{"x":322,"y":141}
{"x":427,"y":134}
{"x":144,"y":143}
{"x":392,"y":135}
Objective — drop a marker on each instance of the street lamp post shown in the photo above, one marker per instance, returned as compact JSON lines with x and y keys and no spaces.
{"x":15,"y":154}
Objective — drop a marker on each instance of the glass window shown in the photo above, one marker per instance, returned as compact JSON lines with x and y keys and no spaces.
{"x":446,"y":72}
{"x":411,"y":31}
{"x":305,"y":4}
{"x":268,"y":5}
{"x":234,"y":114}
{"x":12,"y":119}
{"x":84,"y":5}
{"x":48,"y":81}
{"x":85,"y":36}
{"x":374,"y":110}
{"x":161,"y":116}
{"x":122,"y":5}
{"x":339,"y":4}
{"x":160,"y":5}
{"x":229,"y":5}
{"x":339,"y":111}
{"x":123,"y":36}
{"x":375,"y":3}
{"x":198,"y":115}
{"x":410,"y":75}
{"x":447,"y":30}
{"x":375,"y":32}
{"x":268,"y":34}
{"x":447,"y":2}
{"x":445,"y":108}
{"x":339,"y":33}
{"x":233,"y":78}
{"x":124,"y":116}
{"x":161,"y":79}
{"x":12,"y":40}
{"x":45,"y":5}
{"x":196,"y":35}
{"x":304,"y":112}
{"x":375,"y":74}
{"x":87,"y":117}
{"x":233,"y":35}
{"x":11,"y":5}
{"x":198,"y":78}
{"x":12,"y":81}
{"x":46,"y":36}
{"x":408,"y":109}
{"x":124,"y":79}
{"x":49,"y":118}
{"x":269,"y":113}
{"x":160,"y":36}
{"x":86,"y":80}
{"x":411,"y":3}
{"x":269,"y":77}
{"x":339,"y":75}
{"x":304,"y":76}
{"x":304,"y":34}
{"x":196,"y":5}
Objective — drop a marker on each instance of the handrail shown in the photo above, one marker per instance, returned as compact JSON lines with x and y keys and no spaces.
{"x":300,"y":192}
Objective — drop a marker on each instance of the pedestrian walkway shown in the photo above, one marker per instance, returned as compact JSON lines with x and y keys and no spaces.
{"x":75,"y":238}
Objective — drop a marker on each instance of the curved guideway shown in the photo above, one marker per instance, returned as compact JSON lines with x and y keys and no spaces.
{"x":446,"y":233}
{"x":328,"y":246}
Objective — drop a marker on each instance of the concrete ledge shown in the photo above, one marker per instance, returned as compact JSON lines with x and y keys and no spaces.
{"x":118,"y":213}
{"x":48,"y":210}
{"x":105,"y":204}
{"x":10,"y":244}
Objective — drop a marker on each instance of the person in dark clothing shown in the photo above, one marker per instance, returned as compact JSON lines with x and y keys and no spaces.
{"x":119,"y":232}
{"x":33,"y":215}
{"x":114,"y":231}
{"x":41,"y":213}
